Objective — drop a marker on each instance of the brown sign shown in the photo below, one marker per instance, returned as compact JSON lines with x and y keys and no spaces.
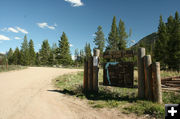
{"x":118,"y":54}
{"x":120,"y":74}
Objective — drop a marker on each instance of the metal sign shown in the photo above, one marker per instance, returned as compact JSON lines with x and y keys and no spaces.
{"x":95,"y":60}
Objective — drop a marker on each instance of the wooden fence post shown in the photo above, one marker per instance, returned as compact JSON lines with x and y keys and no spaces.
{"x":90,"y":73}
{"x":85,"y":81}
{"x":148,"y":77}
{"x":157,"y":91}
{"x":141,"y":82}
{"x":95,"y":69}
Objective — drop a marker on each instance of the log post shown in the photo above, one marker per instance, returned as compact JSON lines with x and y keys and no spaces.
{"x":157,"y":91}
{"x":95,"y":69}
{"x":141,"y":83}
{"x":90,"y":73}
{"x":148,"y":77}
{"x":85,"y":81}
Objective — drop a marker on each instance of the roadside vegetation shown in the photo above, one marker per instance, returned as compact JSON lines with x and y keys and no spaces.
{"x":123,"y":99}
{"x":3,"y":68}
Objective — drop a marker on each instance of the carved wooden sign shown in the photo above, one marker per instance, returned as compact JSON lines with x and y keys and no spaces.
{"x":120,"y":74}
{"x":118,"y":54}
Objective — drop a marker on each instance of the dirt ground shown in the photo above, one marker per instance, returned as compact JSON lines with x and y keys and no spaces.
{"x":28,"y":94}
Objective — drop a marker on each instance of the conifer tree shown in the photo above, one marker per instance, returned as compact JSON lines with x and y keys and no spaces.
{"x":10,"y":56}
{"x":161,"y":43}
{"x":25,"y":52}
{"x":113,"y":36}
{"x":16,"y":56}
{"x":32,"y":54}
{"x":37,"y":61}
{"x":82,"y":56}
{"x":44,"y":53}
{"x":99,"y":40}
{"x":87,"y":50}
{"x":64,"y":56}
{"x":122,"y":36}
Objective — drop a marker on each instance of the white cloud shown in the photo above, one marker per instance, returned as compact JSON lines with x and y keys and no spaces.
{"x":17,"y":38}
{"x":71,"y":45}
{"x":22,"y":30}
{"x":75,"y":3}
{"x":2,"y":37}
{"x":12,"y":30}
{"x":45,"y":25}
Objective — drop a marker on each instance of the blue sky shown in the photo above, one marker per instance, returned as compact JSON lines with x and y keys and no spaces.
{"x":79,"y":19}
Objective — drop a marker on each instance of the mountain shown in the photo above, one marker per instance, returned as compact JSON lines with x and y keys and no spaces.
{"x":146,"y":42}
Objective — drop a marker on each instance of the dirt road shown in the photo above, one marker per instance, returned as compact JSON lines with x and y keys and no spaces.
{"x":25,"y":94}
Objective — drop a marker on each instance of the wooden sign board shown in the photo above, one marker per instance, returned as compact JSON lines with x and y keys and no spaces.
{"x":118,"y":54}
{"x":121,"y":74}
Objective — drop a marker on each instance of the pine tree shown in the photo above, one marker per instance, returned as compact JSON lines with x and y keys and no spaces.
{"x":87,"y":50}
{"x":76,"y":56}
{"x":82,"y":56}
{"x":44,"y":53}
{"x":16,"y":56}
{"x":37,"y":61}
{"x":174,"y":42}
{"x":32,"y":54}
{"x":161,"y":43}
{"x":25,"y":52}
{"x":10,"y":56}
{"x":113,"y":36}
{"x":99,"y":40}
{"x":64,"y":56}
{"x":122,"y":36}
{"x":52,"y":59}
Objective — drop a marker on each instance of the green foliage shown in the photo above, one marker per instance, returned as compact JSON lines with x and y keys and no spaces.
{"x":16,"y":57}
{"x":113,"y":36}
{"x":10,"y":56}
{"x":24,"y":52}
{"x":122,"y":36}
{"x":44,"y":53}
{"x":32,"y":54}
{"x":87,"y":50}
{"x":99,"y":41}
{"x":37,"y":60}
{"x":64,"y":56}
{"x":167,"y":47}
{"x":125,"y":99}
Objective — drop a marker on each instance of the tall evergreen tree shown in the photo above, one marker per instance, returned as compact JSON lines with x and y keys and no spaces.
{"x":82,"y":56}
{"x":52,"y":59}
{"x":37,"y":61}
{"x":161,"y":43}
{"x":25,"y":52}
{"x":99,"y":40}
{"x":44,"y":53}
{"x":16,"y":56}
{"x":64,"y":56}
{"x":32,"y":54}
{"x":10,"y":56}
{"x":174,"y":42}
{"x":122,"y":36}
{"x":87,"y":50}
{"x":113,"y":36}
{"x":76,"y":56}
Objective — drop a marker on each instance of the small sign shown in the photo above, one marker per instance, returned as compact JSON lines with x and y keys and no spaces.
{"x":95,"y":60}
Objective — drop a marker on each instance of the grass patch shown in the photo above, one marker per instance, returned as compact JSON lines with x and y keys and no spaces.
{"x":165,"y":74}
{"x":124,"y":99}
{"x":11,"y":67}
